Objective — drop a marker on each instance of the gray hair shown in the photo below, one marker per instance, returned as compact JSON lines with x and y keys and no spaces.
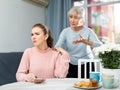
{"x":79,"y":10}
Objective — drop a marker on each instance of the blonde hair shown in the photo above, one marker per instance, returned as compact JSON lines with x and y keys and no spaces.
{"x":79,"y":10}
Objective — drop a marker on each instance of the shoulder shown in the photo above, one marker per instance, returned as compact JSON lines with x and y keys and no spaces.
{"x":89,"y":30}
{"x":59,"y":54}
{"x":65,"y":30}
{"x":29,"y":50}
{"x":68,"y":28}
{"x":53,"y":50}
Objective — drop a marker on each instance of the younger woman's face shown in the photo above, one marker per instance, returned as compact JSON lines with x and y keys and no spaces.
{"x":75,"y":20}
{"x":38,"y":37}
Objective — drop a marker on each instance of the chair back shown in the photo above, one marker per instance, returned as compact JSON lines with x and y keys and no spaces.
{"x":95,"y":62}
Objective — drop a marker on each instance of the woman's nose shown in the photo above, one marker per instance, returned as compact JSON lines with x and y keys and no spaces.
{"x":33,"y":37}
{"x":71,"y":20}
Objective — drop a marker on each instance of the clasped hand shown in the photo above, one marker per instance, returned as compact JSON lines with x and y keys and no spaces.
{"x":32,"y":78}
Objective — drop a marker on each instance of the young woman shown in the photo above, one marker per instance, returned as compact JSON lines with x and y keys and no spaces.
{"x":42,"y":61}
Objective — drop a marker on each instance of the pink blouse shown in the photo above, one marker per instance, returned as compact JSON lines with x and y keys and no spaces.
{"x":43,"y":64}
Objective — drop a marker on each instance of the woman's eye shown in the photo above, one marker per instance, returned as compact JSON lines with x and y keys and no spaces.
{"x":32,"y":34}
{"x":71,"y":16}
{"x":37,"y":34}
{"x":76,"y":17}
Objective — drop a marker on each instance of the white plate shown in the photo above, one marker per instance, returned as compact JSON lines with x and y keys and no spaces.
{"x":89,"y":88}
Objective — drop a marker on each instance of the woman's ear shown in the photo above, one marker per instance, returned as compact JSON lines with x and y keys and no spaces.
{"x":46,"y":36}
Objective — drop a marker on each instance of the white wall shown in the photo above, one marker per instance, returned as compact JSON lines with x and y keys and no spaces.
{"x":16,"y":19}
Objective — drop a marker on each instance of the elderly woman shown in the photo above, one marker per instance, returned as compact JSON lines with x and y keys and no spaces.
{"x":77,"y":39}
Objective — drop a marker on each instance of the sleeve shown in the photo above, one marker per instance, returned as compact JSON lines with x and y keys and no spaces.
{"x":62,"y":65}
{"x":23,"y":68}
{"x":61,"y":41}
{"x":93,"y":37}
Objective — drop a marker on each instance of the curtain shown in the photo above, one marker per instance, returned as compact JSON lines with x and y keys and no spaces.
{"x":56,"y":16}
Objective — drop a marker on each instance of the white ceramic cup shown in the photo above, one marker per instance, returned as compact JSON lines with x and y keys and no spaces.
{"x":109,"y":82}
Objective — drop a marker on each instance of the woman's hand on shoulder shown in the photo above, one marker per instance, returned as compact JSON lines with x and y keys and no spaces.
{"x":60,"y":50}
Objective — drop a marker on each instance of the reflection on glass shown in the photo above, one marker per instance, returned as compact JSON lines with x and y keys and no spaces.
{"x":117,"y":22}
{"x":79,"y":3}
{"x":105,"y":22}
{"x":99,"y":1}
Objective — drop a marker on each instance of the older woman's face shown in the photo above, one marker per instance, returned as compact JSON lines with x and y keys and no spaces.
{"x":75,"y":20}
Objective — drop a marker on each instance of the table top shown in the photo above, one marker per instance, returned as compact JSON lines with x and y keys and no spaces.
{"x":49,"y":84}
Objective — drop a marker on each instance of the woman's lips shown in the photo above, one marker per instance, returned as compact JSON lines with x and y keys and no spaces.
{"x":34,"y":41}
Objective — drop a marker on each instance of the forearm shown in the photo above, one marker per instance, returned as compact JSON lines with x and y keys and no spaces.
{"x":62,"y":66}
{"x":20,"y":76}
{"x":62,"y":70}
{"x":88,"y":42}
{"x":25,"y":77}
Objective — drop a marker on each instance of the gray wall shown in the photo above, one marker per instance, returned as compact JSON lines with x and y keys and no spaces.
{"x":16,"y":19}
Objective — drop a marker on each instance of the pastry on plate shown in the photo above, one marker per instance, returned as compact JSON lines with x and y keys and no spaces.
{"x":91,"y":83}
{"x":94,"y":82}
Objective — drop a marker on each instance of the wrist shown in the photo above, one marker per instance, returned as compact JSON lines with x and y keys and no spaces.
{"x":86,"y":42}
